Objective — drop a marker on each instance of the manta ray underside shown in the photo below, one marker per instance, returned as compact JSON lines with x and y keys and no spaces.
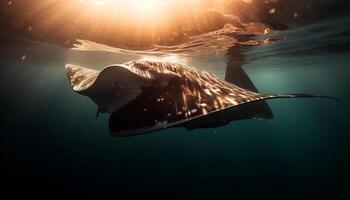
{"x":144,"y":96}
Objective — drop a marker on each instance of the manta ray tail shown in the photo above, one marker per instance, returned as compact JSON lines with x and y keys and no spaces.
{"x":301,"y":96}
{"x":252,"y":110}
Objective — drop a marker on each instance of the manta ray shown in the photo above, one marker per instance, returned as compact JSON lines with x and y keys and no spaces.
{"x":144,"y":96}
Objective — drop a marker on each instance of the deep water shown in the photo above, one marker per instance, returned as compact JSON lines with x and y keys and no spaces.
{"x":52,"y":145}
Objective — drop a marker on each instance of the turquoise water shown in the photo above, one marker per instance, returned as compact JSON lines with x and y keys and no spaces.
{"x":51,"y":141}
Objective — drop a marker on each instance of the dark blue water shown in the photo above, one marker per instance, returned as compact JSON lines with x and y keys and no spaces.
{"x":52,"y":145}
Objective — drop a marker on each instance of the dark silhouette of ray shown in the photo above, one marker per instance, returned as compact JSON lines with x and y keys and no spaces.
{"x":145,"y":96}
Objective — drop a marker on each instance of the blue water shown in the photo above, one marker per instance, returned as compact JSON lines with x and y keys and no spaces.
{"x":52,"y":143}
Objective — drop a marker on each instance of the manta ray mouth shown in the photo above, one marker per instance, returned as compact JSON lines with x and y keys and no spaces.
{"x":144,"y":96}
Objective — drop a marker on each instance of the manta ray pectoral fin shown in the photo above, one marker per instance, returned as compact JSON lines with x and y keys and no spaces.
{"x":80,"y":78}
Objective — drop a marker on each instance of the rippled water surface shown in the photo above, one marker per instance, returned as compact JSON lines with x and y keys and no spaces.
{"x":52,"y":142}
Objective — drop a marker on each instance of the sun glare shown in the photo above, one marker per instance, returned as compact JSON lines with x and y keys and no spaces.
{"x":148,"y":5}
{"x":131,"y":21}
{"x":149,"y":18}
{"x":130,"y":5}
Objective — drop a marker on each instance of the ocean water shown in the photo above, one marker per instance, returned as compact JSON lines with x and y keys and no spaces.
{"x":52,"y":145}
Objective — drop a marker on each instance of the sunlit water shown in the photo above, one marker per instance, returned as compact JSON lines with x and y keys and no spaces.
{"x":50,"y":135}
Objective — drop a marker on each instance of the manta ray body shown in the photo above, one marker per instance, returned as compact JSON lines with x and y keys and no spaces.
{"x":144,"y":96}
